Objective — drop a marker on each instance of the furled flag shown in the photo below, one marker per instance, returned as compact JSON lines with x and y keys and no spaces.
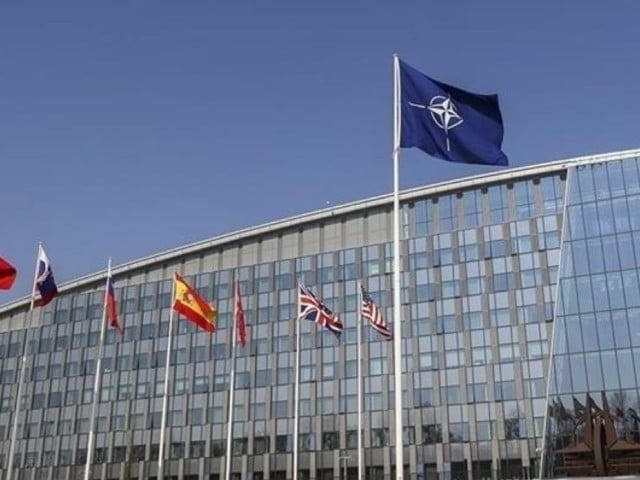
{"x":371,"y":312}
{"x":44,"y":279}
{"x":448,"y":122}
{"x":239,"y":314}
{"x":187,"y":302}
{"x":310,"y":308}
{"x":112,"y":309}
{"x":7,"y":274}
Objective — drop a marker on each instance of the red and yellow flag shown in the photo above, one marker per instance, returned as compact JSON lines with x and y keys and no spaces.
{"x":187,"y":302}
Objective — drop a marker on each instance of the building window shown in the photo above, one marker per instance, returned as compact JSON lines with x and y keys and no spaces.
{"x":324,"y":405}
{"x":258,"y":411}
{"x":216,"y":415}
{"x":196,"y":416}
{"x":484,"y":430}
{"x":330,"y":441}
{"x":263,"y":278}
{"x":48,"y":458}
{"x":280,"y":409}
{"x":119,"y":454}
{"x":283,"y":443}
{"x":379,"y":437}
{"x":512,"y":428}
{"x":154,"y":420}
{"x":239,"y":446}
{"x":217,"y":448}
{"x":38,"y":400}
{"x":351,"y":440}
{"x":196,"y":449}
{"x":498,"y":204}
{"x":138,"y":453}
{"x":30,"y":459}
{"x":552,"y":189}
{"x":82,"y":425}
{"x":326,"y":268}
{"x":472,"y":206}
{"x":47,"y":428}
{"x":458,"y":432}
{"x":81,"y":456}
{"x":55,"y":399}
{"x":65,"y":427}
{"x":409,"y":435}
{"x":306,"y":443}
{"x":431,"y":434}
{"x":124,"y":392}
{"x":423,"y":397}
{"x":176,"y":450}
{"x":260,"y":445}
{"x":447,"y":208}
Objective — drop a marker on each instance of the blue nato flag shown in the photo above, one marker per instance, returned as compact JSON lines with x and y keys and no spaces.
{"x":448,"y":122}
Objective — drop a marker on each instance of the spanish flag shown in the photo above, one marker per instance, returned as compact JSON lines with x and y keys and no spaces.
{"x":187,"y":302}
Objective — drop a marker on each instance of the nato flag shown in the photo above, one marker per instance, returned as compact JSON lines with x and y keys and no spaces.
{"x":449,"y":123}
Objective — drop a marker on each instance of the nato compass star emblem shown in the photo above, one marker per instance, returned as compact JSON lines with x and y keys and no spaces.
{"x":443,"y":113}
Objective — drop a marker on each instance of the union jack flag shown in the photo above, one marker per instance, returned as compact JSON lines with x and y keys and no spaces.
{"x":371,"y":312}
{"x":310,"y":308}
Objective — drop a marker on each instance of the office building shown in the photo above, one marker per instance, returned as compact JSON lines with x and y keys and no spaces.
{"x":503,"y":275}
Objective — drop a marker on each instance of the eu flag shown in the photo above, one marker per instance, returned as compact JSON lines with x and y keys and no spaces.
{"x":449,"y":123}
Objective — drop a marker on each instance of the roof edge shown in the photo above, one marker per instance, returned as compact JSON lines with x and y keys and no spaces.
{"x":238,"y":235}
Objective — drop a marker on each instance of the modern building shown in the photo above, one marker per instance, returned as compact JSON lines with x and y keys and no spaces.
{"x":503,"y":275}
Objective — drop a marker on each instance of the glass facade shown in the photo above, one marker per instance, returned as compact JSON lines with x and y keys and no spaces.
{"x":480,"y":264}
{"x":593,"y":423}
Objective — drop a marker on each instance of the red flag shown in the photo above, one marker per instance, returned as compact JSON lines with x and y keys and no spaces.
{"x":8,"y":274}
{"x":112,"y":308}
{"x":239,"y":313}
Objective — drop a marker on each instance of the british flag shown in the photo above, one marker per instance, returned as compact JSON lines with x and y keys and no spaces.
{"x":371,"y":312}
{"x":310,"y":308}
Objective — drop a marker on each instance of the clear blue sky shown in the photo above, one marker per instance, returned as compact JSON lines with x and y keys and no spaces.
{"x":128,"y":128}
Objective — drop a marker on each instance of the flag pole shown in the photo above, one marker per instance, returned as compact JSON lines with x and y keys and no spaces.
{"x":296,"y":395}
{"x":397,"y":324}
{"x":25,"y":346}
{"x":232,"y":386}
{"x":165,"y":398}
{"x":359,"y":328}
{"x":96,"y":385}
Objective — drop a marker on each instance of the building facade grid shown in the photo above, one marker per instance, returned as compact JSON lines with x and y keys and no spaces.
{"x":480,"y":267}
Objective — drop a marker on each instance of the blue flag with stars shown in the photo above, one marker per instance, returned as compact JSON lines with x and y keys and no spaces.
{"x":448,"y":122}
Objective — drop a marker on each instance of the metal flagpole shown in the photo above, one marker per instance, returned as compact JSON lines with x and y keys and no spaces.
{"x":296,"y":395}
{"x":232,"y":386}
{"x":23,"y":363}
{"x":96,"y":385}
{"x":397,"y":324}
{"x":165,"y":399}
{"x":359,"y":328}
